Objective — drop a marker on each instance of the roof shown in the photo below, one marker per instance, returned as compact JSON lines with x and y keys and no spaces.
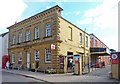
{"x":99,"y":40}
{"x":3,"y":34}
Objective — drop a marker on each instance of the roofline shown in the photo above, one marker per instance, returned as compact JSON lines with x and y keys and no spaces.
{"x":4,"y":33}
{"x":74,"y":25}
{"x":99,"y":39}
{"x":35,"y":15}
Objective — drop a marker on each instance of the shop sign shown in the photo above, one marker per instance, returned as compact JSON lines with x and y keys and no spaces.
{"x":52,"y":47}
{"x":114,"y":58}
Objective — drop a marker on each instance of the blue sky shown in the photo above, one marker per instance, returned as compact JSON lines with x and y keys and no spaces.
{"x":98,"y":17}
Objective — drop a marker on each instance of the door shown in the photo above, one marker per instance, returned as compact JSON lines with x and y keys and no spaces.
{"x":28,"y":60}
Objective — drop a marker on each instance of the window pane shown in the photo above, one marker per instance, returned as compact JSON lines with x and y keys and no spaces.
{"x":48,"y":30}
{"x":48,"y":55}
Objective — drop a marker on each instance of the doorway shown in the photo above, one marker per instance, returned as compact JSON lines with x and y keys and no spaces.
{"x":69,"y":62}
{"x":28,"y":60}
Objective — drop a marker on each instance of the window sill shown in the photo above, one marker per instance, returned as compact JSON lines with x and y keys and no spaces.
{"x":36,"y":39}
{"x":70,"y":39}
{"x":47,"y":37}
{"x":47,"y":62}
{"x":27,"y":41}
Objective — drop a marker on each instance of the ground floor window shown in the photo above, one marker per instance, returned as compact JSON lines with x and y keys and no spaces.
{"x":37,"y":55}
{"x":47,"y":55}
{"x":13,"y":58}
{"x":20,"y":58}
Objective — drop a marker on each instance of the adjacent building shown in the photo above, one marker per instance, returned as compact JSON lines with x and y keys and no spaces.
{"x":99,"y":51}
{"x":4,"y":37}
{"x":48,"y":40}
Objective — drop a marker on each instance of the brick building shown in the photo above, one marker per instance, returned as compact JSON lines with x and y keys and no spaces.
{"x":101,"y":51}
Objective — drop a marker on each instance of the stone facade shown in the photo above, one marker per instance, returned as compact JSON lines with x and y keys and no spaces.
{"x":61,"y":33}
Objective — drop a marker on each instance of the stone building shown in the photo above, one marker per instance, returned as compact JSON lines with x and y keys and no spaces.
{"x":48,"y":40}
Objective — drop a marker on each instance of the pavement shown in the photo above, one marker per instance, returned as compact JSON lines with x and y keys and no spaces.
{"x":68,"y":77}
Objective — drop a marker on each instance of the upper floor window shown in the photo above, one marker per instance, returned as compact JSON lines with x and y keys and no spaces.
{"x":20,"y":37}
{"x":70,"y":33}
{"x":37,"y":33}
{"x":37,"y":55}
{"x":95,"y":43}
{"x":86,"y":41}
{"x":28,"y":35}
{"x":13,"y":58}
{"x":47,"y":55}
{"x":48,"y":30}
{"x":13,"y":39}
{"x":80,"y":38}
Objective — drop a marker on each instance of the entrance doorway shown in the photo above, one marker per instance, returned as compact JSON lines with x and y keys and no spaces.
{"x":69,"y":62}
{"x":28,"y":60}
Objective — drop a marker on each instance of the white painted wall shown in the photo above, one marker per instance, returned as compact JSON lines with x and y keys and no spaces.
{"x":0,"y":51}
{"x":5,"y":44}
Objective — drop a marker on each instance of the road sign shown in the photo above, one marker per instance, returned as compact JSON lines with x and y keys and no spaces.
{"x":114,"y":58}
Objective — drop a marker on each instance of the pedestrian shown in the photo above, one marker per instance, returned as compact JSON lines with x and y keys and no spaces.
{"x":7,"y":65}
{"x":71,"y":62}
{"x":33,"y":67}
{"x":103,"y":64}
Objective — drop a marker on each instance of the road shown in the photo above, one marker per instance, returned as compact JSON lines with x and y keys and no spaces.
{"x":8,"y":77}
{"x":102,"y":72}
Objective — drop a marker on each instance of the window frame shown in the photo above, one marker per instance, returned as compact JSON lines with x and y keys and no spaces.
{"x":37,"y":33}
{"x":20,"y":37}
{"x":37,"y":54}
{"x":86,"y":41}
{"x":13,"y":39}
{"x":48,"y":30}
{"x":47,"y":55}
{"x":81,"y":38}
{"x":28,"y":35}
{"x":20,"y":56}
{"x":13,"y":57}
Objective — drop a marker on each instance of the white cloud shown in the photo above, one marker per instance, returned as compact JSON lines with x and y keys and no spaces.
{"x":104,"y":17}
{"x":85,"y":21}
{"x":77,"y":12}
{"x":10,"y":11}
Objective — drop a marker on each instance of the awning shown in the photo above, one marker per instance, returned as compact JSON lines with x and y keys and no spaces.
{"x":99,"y":51}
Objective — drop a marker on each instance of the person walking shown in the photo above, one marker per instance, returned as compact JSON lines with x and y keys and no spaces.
{"x":71,"y":62}
{"x":7,"y":65}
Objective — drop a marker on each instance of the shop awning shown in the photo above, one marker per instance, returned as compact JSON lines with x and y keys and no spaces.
{"x":99,"y":51}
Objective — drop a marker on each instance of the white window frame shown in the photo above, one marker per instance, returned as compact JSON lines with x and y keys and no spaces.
{"x":37,"y":55}
{"x":86,"y":41}
{"x":80,"y":38}
{"x":20,"y":56}
{"x":48,"y":30}
{"x":47,"y":55}
{"x":20,"y":37}
{"x":28,"y":35}
{"x":13,"y":39}
{"x":37,"y":33}
{"x":13,"y":58}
